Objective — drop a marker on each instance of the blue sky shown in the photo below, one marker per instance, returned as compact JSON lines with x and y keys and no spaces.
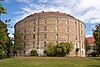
{"x":87,"y":11}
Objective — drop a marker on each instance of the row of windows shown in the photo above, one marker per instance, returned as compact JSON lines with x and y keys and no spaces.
{"x":46,"y":37}
{"x":45,"y":28}
{"x":82,"y":45}
{"x":56,"y":43}
{"x":56,"y":20}
{"x":34,"y":44}
{"x":25,"y":36}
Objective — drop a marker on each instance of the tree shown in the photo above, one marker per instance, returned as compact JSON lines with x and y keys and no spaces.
{"x":51,"y":45}
{"x":34,"y":53}
{"x":3,"y":39}
{"x":2,"y":10}
{"x":96,"y":34}
{"x":51,"y":50}
{"x":5,"y":42}
{"x":18,"y":43}
{"x":69,"y":46}
{"x":87,"y":46}
{"x":9,"y":45}
{"x":60,"y":49}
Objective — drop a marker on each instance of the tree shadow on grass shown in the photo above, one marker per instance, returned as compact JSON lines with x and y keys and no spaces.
{"x":93,"y":65}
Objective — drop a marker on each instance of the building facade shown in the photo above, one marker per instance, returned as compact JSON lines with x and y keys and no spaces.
{"x":39,"y":29}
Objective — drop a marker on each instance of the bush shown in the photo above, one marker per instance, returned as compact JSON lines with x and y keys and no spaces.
{"x":59,"y":50}
{"x":93,"y":54}
{"x":2,"y":54}
{"x":49,"y":52}
{"x":34,"y":53}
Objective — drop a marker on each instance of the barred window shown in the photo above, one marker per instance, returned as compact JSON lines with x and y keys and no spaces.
{"x":33,"y":44}
{"x":75,"y":23}
{"x":56,"y":20}
{"x":33,"y":36}
{"x":34,"y":29}
{"x":56,"y":36}
{"x":45,"y":29}
{"x":44,"y":44}
{"x":44,"y":36}
{"x":44,"y":20}
{"x":24,"y":37}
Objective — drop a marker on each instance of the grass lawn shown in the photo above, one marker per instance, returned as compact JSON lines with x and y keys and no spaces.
{"x":50,"y":62}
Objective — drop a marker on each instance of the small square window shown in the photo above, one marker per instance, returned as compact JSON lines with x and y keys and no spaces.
{"x":44,"y":44}
{"x":76,"y":37}
{"x":24,"y":37}
{"x":56,"y":36}
{"x":56,"y":20}
{"x":67,"y":36}
{"x":33,"y":44}
{"x":45,"y":29}
{"x":75,"y":23}
{"x":44,"y":20}
{"x":44,"y":36}
{"x":67,"y":29}
{"x":34,"y":29}
{"x":25,"y":31}
{"x":33,"y":36}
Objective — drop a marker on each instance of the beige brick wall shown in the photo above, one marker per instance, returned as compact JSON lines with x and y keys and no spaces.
{"x":54,"y":25}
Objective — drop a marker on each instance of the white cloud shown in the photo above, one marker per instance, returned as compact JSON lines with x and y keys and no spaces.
{"x":83,"y":9}
{"x":86,"y":10}
{"x":89,"y":35}
{"x":24,"y":1}
{"x":11,"y":35}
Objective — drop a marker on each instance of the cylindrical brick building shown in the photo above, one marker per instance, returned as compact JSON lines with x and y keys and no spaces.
{"x":40,"y":29}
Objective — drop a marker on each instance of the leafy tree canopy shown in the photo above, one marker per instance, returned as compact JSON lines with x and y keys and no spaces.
{"x":96,"y":34}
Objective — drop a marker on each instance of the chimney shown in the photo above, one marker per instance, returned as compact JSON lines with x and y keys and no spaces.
{"x":42,"y":11}
{"x":57,"y":11}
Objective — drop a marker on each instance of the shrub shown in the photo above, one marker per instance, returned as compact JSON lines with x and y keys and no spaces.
{"x":59,"y":50}
{"x":2,"y":54}
{"x":93,"y":54}
{"x":50,"y":51}
{"x":34,"y":53}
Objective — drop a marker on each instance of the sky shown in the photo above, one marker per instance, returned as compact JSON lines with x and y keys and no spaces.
{"x":87,"y":11}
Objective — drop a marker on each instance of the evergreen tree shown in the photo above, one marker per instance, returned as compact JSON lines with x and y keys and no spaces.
{"x":96,"y":34}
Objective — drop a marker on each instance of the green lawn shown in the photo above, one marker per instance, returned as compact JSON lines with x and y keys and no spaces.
{"x":50,"y":62}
